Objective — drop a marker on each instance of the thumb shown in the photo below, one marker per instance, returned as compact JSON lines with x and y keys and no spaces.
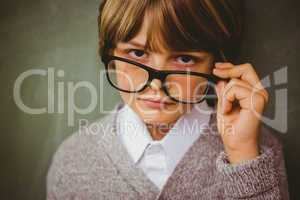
{"x":219,"y":90}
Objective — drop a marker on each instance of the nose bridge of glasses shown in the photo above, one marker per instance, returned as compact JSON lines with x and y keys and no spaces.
{"x":155,"y":84}
{"x":157,"y":74}
{"x":156,"y":78}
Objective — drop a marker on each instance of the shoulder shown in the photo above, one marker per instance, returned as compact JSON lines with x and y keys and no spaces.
{"x":78,"y":152}
{"x":84,"y":141}
{"x":88,"y":135}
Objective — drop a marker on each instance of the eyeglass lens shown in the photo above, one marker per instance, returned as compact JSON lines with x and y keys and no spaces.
{"x":132,"y":78}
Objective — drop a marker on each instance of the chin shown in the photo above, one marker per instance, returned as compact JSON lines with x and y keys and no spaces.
{"x":158,"y":116}
{"x":149,"y":115}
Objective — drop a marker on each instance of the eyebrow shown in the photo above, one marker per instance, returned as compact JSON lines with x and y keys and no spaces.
{"x":136,"y":44}
{"x":194,"y":53}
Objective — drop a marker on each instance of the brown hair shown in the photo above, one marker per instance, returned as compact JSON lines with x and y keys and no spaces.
{"x":181,"y":25}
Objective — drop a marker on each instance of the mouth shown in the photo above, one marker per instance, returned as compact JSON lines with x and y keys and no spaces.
{"x":156,"y":103}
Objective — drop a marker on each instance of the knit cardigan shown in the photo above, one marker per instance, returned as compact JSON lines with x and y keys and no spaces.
{"x":93,"y":164}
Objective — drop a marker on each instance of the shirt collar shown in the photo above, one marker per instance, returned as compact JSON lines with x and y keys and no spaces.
{"x":186,"y":131}
{"x":180,"y":137}
{"x":133,"y":132}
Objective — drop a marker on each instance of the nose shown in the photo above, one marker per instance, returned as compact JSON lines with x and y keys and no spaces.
{"x":158,"y":63}
{"x":156,"y":84}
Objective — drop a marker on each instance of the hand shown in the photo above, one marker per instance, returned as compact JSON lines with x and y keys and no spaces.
{"x":241,"y":102}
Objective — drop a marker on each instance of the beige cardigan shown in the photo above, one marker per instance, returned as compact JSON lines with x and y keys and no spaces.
{"x":93,"y":164}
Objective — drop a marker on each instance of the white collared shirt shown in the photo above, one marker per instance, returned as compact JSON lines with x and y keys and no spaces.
{"x":158,"y":158}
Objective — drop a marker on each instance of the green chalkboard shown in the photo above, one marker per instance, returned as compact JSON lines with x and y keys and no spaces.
{"x":55,"y":44}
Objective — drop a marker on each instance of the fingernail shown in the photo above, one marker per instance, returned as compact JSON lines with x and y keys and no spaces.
{"x":217,"y":91}
{"x":215,"y":70}
{"x":218,"y":64}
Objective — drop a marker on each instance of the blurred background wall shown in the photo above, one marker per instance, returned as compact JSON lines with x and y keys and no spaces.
{"x":62,"y":36}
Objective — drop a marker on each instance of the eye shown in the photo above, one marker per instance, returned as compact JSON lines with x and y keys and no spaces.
{"x":186,"y":59}
{"x":136,"y":53}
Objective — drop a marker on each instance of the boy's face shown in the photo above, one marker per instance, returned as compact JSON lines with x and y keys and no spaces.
{"x":152,"y":104}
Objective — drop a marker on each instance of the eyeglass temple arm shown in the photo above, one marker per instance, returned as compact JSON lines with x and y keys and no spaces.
{"x":223,"y":56}
{"x":216,"y":78}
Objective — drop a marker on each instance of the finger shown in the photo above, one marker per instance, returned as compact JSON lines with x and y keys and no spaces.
{"x":219,"y":90}
{"x":246,"y":98}
{"x":225,"y":65}
{"x":225,"y":105}
{"x":235,"y":81}
{"x":239,"y":93}
{"x":218,"y":87}
{"x":228,"y":103}
{"x":245,"y":84}
{"x":245,"y":72}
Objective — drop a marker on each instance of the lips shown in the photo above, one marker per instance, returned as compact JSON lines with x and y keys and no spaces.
{"x":156,"y":103}
{"x":156,"y":100}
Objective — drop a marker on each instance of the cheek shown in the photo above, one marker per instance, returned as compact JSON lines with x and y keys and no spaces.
{"x":130,"y":77}
{"x":128,"y":98}
{"x":122,"y":75}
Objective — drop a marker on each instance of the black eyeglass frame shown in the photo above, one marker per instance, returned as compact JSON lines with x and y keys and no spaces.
{"x":160,"y":75}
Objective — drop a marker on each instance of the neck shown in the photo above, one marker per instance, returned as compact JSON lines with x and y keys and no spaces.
{"x":158,"y":131}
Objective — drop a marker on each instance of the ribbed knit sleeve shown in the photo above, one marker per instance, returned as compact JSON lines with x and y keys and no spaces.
{"x":261,"y":178}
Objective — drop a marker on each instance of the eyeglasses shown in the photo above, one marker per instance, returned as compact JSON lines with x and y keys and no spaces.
{"x":181,"y":86}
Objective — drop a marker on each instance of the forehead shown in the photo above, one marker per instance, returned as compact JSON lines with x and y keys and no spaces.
{"x":141,"y":36}
{"x":153,"y":41}
{"x":149,"y":39}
